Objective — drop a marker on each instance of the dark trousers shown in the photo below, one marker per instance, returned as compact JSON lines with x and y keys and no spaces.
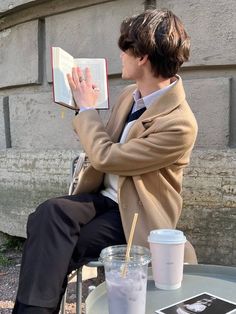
{"x":62,"y":234}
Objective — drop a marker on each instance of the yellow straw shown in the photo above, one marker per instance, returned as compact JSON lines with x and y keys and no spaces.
{"x":131,"y":235}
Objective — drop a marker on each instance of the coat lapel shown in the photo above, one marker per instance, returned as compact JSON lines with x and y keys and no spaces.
{"x":164,"y":105}
{"x":120,"y":114}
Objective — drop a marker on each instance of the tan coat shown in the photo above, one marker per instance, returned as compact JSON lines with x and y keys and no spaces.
{"x":149,"y":165}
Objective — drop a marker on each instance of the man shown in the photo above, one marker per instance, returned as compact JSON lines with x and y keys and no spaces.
{"x":136,"y":163}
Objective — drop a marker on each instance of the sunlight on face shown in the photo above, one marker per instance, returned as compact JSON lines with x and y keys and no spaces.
{"x":130,"y":68}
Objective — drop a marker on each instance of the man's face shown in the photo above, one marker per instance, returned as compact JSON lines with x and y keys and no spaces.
{"x":130,"y":68}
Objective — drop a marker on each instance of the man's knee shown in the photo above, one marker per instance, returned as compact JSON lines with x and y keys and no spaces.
{"x":45,"y":212}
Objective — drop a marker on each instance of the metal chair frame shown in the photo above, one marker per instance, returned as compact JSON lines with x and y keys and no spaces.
{"x":79,"y":285}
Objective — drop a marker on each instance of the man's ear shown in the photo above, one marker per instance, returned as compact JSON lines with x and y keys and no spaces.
{"x":143,"y":60}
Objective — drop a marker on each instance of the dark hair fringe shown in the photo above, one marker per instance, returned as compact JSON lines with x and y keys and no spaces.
{"x":159,"y":34}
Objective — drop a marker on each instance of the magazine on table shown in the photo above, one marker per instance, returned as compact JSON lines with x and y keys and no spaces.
{"x":204,"y":303}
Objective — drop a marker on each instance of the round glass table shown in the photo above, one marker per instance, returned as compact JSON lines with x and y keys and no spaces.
{"x":216,"y":280}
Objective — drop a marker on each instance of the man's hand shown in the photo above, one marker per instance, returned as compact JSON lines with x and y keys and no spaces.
{"x":85,"y":93}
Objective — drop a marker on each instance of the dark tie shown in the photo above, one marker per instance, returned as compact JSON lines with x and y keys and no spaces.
{"x":135,"y":115}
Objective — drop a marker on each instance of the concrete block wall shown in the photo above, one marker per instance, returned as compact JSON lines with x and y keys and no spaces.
{"x":20,"y":66}
{"x":27,"y":179}
{"x":7,"y":5}
{"x":209,"y":214}
{"x":210,"y":101}
{"x":37,"y":143}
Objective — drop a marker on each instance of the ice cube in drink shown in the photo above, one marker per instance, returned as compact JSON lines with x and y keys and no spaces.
{"x":126,"y":295}
{"x":126,"y":290}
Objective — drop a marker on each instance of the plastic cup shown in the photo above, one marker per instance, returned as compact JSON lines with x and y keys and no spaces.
{"x":126,"y":293}
{"x":167,"y":251}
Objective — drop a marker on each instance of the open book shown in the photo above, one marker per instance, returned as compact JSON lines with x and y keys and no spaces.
{"x":62,"y":64}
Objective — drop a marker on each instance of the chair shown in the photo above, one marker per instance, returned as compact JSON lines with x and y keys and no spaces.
{"x":79,"y":283}
{"x":76,"y":167}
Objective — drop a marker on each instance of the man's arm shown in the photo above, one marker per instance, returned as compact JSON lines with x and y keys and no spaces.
{"x":154,"y":149}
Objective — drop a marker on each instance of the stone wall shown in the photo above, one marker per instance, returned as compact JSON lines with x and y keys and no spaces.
{"x":209,"y":214}
{"x":36,"y":140}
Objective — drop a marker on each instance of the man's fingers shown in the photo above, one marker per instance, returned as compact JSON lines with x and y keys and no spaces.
{"x":88,"y":77}
{"x":95,"y":88}
{"x":84,"y":92}
{"x":79,"y":72}
{"x":71,"y":82}
{"x":75,"y":77}
{"x":80,"y":76}
{"x":79,"y":79}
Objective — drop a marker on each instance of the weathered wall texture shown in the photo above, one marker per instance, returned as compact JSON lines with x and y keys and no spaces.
{"x":36,"y":140}
{"x":209,"y":215}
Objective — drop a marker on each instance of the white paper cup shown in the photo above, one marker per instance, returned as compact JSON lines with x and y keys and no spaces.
{"x":167,"y":251}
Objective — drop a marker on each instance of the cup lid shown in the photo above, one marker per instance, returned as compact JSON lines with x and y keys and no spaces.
{"x":168,"y":236}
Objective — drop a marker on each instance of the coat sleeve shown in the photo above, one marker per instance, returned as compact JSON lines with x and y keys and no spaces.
{"x":149,"y":152}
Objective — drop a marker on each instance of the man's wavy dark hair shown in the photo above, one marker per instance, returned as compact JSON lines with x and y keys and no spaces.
{"x":159,"y":34}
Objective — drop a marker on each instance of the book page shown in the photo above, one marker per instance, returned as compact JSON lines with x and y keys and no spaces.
{"x":62,"y":64}
{"x":99,"y":75}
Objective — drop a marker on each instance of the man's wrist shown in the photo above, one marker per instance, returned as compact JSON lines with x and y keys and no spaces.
{"x":83,"y":109}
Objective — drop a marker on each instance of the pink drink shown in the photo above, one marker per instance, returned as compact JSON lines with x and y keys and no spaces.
{"x":126,"y":294}
{"x":167,"y":251}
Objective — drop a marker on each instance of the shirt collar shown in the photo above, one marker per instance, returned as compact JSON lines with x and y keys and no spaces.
{"x":148,"y":100}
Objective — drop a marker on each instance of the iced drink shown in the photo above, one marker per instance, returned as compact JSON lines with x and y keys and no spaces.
{"x":126,"y":294}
